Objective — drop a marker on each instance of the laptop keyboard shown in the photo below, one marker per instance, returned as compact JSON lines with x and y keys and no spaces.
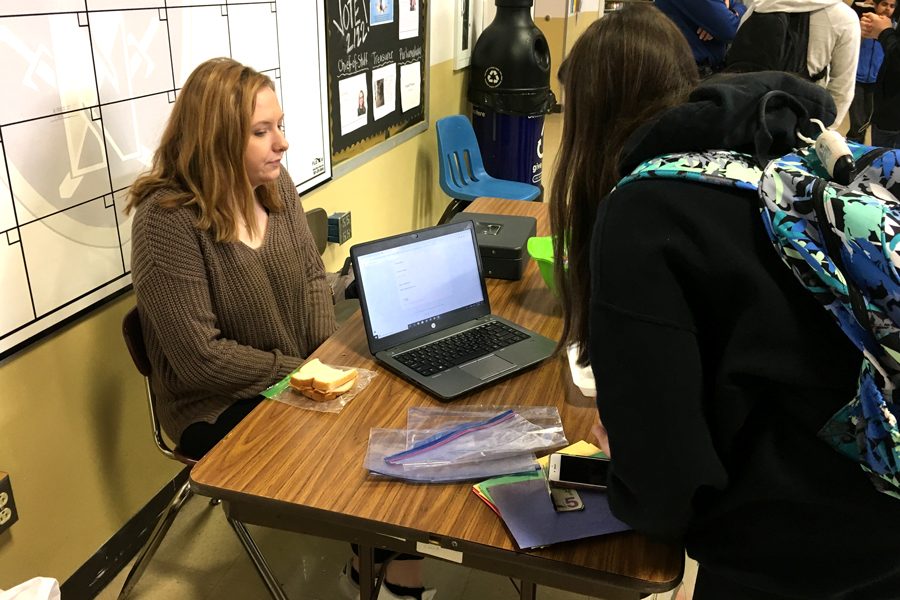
{"x":464,"y":346}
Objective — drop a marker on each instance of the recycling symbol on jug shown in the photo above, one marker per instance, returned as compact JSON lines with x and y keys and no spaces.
{"x":493,"y":77}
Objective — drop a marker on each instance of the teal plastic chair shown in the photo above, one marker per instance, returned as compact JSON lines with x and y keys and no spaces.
{"x":462,"y":173}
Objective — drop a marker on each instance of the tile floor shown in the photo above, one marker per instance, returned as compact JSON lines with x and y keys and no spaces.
{"x":201,"y":559}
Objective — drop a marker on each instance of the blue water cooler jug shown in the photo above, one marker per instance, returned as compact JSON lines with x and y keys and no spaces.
{"x":509,"y":88}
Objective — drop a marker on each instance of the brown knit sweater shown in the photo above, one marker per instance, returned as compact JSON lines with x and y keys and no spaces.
{"x":223,"y":321}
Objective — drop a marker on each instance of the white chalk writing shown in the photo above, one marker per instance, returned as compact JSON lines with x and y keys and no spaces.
{"x":353,"y":64}
{"x":381,"y":58}
{"x":411,"y":53}
{"x":352,"y":23}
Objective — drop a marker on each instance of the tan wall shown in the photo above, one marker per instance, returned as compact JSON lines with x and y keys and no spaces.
{"x":577,"y":26}
{"x":561,"y":33}
{"x":74,"y":433}
{"x":76,"y":443}
{"x":554,"y":29}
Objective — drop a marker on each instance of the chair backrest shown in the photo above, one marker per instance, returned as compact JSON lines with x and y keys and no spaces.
{"x":460,"y":158}
{"x":318,"y":225}
{"x":134,"y":340}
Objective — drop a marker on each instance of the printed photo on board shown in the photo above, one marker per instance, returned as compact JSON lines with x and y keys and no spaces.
{"x":410,"y":86}
{"x":409,"y":19}
{"x":351,"y":92}
{"x":381,"y":12}
{"x":379,"y":92}
{"x":384,"y":90}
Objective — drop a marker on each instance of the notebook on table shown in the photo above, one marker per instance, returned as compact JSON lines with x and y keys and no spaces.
{"x":427,"y":315}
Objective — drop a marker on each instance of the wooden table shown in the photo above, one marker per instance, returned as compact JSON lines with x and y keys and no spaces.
{"x":302,"y":471}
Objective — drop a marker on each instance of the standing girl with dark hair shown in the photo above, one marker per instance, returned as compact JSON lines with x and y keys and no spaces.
{"x":714,"y":368}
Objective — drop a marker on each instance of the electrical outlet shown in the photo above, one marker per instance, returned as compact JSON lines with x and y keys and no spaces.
{"x":339,"y":227}
{"x":8,"y":514}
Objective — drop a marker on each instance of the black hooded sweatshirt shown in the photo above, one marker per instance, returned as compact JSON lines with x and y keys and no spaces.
{"x":715,"y":369}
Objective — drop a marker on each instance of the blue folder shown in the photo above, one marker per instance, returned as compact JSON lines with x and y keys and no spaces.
{"x":528,"y":513}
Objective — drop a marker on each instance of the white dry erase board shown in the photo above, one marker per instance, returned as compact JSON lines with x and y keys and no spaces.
{"x":86,"y":87}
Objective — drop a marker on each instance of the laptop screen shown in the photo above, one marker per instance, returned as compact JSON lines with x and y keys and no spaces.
{"x":418,"y":283}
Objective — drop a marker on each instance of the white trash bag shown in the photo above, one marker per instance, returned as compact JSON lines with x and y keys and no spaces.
{"x":38,"y":588}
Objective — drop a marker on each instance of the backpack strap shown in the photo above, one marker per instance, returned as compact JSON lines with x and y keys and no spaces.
{"x":715,"y":167}
{"x":773,"y":41}
{"x":798,"y":33}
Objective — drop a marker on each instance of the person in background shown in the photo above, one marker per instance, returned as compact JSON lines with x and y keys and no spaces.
{"x":886,"y":101}
{"x":834,"y":38}
{"x":230,"y":287}
{"x":707,"y":25}
{"x":871,"y":55}
{"x":714,"y":367}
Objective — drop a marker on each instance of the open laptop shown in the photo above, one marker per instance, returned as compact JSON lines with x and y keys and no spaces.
{"x":427,"y":315}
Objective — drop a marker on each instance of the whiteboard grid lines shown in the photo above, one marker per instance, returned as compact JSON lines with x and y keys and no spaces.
{"x":74,"y":134}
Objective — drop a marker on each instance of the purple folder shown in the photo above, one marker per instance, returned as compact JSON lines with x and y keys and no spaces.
{"x":528,"y":513}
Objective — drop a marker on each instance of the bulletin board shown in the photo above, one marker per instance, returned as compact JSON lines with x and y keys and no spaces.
{"x":86,"y":87}
{"x":377,"y":71}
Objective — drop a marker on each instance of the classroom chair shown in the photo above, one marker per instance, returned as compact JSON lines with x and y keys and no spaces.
{"x":318,"y":226}
{"x":134,"y":340}
{"x":462,"y":173}
{"x":343,"y":307}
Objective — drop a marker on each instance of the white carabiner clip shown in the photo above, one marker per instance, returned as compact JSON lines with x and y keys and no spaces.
{"x":833,"y":153}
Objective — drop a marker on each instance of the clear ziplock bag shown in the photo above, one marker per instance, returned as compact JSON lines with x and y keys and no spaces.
{"x":439,"y":436}
{"x":384,"y":442}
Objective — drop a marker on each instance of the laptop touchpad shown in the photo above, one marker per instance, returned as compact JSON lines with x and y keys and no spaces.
{"x":488,"y":366}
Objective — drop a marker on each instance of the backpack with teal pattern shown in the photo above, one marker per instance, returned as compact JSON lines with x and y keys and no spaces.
{"x":843,"y":244}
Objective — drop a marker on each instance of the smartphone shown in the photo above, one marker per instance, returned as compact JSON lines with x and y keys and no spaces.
{"x":578,"y":472}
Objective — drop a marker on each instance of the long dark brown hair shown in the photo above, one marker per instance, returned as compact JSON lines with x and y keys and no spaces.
{"x":624,"y":69}
{"x":200,"y":158}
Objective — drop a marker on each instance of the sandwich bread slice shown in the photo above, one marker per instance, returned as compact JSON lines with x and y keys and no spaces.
{"x":321,"y":382}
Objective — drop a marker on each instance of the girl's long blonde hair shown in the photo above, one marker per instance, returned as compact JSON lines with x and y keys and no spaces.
{"x":200,"y":159}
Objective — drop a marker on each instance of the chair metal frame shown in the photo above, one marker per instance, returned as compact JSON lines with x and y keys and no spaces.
{"x":133,"y":334}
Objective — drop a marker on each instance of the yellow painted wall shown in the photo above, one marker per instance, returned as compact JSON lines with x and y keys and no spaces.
{"x":561,"y":33}
{"x":74,"y":432}
{"x":577,"y":25}
{"x":554,"y":30}
{"x":74,"y":437}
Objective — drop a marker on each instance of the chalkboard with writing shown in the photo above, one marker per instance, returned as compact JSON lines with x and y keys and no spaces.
{"x":376,"y":63}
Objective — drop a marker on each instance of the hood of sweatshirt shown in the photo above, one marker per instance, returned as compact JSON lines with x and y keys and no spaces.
{"x":791,"y":6}
{"x":755,"y":113}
